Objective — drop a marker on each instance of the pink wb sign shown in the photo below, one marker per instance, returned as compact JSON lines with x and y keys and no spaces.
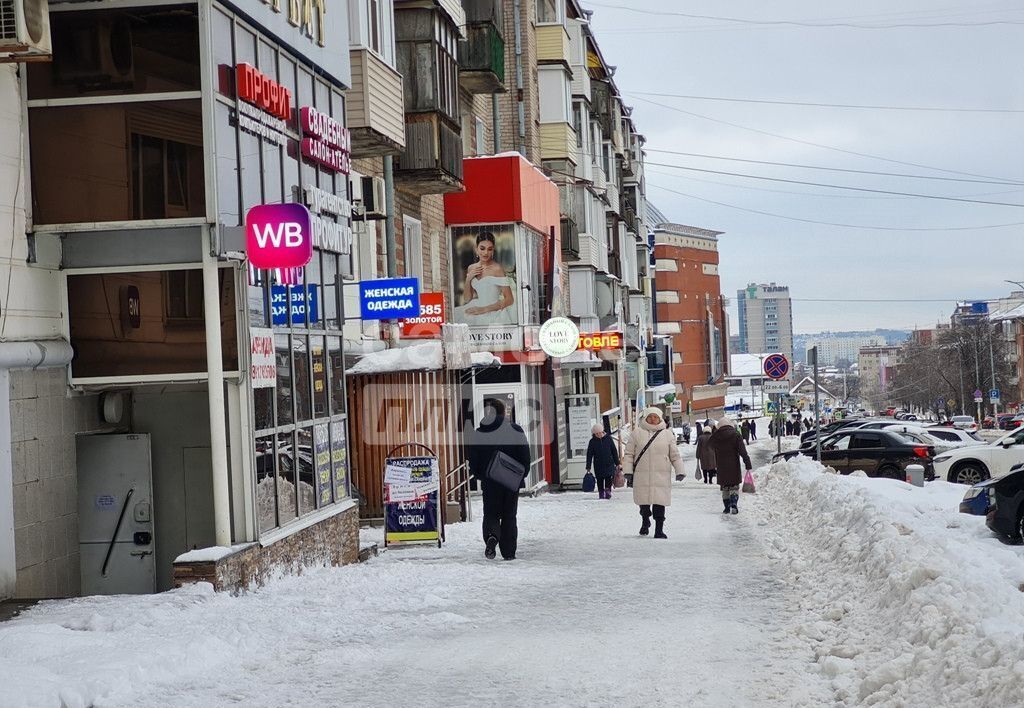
{"x":278,"y":236}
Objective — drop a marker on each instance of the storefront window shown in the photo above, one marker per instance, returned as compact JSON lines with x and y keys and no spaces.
{"x":318,"y":357}
{"x":287,"y":478}
{"x":266,"y":479}
{"x":300,"y":357}
{"x":304,"y":457}
{"x":337,"y":375}
{"x":120,"y":52}
{"x":285,"y":393}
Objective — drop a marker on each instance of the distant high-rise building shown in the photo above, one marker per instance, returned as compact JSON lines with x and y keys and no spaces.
{"x":766,"y":319}
{"x":834,"y":351}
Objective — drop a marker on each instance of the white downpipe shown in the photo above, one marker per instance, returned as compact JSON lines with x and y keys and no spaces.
{"x":215,"y":394}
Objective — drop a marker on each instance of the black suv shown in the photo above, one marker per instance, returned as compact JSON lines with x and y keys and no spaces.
{"x":879,"y":453}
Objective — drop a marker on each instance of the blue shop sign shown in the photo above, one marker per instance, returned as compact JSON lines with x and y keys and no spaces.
{"x":300,"y":303}
{"x":389,"y":298}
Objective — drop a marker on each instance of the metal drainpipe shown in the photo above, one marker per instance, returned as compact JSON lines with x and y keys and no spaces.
{"x":496,"y":122}
{"x":521,"y":109}
{"x":389,"y":221}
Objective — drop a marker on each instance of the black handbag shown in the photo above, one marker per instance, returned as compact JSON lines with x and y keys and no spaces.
{"x":506,"y":471}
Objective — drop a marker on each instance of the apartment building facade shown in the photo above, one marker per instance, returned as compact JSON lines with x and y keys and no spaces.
{"x":136,"y":335}
{"x":691,"y":310}
{"x":765,"y":319}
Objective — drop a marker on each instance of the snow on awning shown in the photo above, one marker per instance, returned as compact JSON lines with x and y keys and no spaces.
{"x":428,"y":356}
{"x":580,"y":359}
{"x":483,"y":359}
{"x":658,"y":393}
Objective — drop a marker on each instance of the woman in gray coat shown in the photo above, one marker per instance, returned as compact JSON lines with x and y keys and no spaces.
{"x":706,"y":455}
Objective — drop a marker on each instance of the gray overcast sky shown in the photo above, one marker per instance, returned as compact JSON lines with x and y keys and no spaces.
{"x":971,"y":67}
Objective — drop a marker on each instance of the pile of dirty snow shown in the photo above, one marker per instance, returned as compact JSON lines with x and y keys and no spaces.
{"x":905,"y":601}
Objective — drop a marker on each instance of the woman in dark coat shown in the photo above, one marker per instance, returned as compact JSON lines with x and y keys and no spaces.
{"x":603,"y":458}
{"x":705,"y":455}
{"x":729,"y":450}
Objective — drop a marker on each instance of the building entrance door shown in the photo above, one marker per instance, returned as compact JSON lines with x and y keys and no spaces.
{"x":115,"y":514}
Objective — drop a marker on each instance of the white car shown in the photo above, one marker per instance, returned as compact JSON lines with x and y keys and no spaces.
{"x":964,"y":422}
{"x":954,"y":436}
{"x":970,"y":465}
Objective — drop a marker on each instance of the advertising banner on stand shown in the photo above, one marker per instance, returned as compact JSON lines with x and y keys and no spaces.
{"x":412,"y":488}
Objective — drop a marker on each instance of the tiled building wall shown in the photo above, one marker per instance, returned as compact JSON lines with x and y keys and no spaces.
{"x":508,"y":102}
{"x":44,"y":422}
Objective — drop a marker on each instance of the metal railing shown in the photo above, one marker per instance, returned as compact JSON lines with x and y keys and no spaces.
{"x":457,"y":484}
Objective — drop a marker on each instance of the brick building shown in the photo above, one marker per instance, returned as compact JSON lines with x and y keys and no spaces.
{"x":691,"y":309}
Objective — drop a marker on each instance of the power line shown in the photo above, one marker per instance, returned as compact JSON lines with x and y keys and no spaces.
{"x":827,"y":105}
{"x":801,"y":23}
{"x":838,"y":186}
{"x":830,"y":223}
{"x":813,"y":144}
{"x":835,"y":169}
{"x":821,"y":195}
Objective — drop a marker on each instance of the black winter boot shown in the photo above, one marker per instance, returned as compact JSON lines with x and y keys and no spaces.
{"x":659,"y":528}
{"x":728,"y":506}
{"x":645,"y":525}
{"x":733,"y":500}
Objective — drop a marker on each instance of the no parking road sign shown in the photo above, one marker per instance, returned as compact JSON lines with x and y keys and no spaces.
{"x":776,"y":367}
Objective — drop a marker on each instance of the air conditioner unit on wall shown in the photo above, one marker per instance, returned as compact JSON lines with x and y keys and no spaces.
{"x":25,"y":31}
{"x":374,"y":202}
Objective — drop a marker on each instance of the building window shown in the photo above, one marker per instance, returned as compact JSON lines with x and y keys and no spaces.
{"x":183,"y":295}
{"x":412,"y":229}
{"x":549,"y":12}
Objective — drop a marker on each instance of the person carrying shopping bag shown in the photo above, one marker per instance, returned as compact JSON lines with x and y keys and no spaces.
{"x":652,"y":457}
{"x":603,"y":458}
{"x":705,"y":455}
{"x":729,"y":449}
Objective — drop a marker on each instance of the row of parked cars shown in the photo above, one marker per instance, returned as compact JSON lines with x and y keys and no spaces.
{"x":1003,"y":421}
{"x":885,"y":447}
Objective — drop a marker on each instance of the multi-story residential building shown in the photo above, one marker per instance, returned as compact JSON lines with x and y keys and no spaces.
{"x":135,"y":337}
{"x":765,"y":319}
{"x":691,"y":310}
{"x":876,"y":367}
{"x":835,"y":350}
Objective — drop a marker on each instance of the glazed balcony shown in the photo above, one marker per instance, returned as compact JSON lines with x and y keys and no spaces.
{"x":432,"y":160}
{"x":482,"y":59}
{"x":374,"y":106}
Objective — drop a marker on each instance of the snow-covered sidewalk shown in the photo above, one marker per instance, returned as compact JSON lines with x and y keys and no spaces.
{"x":590,"y":615}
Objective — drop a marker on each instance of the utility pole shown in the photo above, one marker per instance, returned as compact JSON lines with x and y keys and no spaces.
{"x":992,"y":363}
{"x":977,"y":374}
{"x":817,"y":407}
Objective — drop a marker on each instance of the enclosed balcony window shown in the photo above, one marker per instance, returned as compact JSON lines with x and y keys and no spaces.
{"x":427,"y":46}
{"x":550,"y":12}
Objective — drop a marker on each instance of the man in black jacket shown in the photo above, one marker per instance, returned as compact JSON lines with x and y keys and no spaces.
{"x":497,"y":434}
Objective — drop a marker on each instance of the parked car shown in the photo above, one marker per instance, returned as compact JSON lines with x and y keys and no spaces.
{"x":964,"y":422}
{"x":1001,"y":502}
{"x":879,"y":453}
{"x":827,"y":430}
{"x":954,"y":436}
{"x":1012,"y":423}
{"x":970,"y":465}
{"x":890,"y":411}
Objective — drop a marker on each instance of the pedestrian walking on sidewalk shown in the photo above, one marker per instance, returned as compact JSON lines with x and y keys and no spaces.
{"x":686,"y":433}
{"x":651,"y":456}
{"x":603,"y":458}
{"x":706,"y":456}
{"x":729,"y":450}
{"x":745,"y":428}
{"x":753,"y":429}
{"x":497,"y":434}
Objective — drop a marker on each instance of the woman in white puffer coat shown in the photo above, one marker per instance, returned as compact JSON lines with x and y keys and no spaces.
{"x":652,"y":458}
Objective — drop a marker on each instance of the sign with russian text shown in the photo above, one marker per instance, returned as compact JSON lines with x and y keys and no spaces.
{"x":428,"y":324}
{"x":322,"y":462}
{"x":412,"y":487}
{"x":598,"y":341}
{"x":389,"y":298}
{"x":294,"y":305}
{"x":325,"y":141}
{"x":262,"y":364}
{"x":278,"y":236}
{"x":339,"y":458}
{"x":330,"y":214}
{"x":315,"y":30}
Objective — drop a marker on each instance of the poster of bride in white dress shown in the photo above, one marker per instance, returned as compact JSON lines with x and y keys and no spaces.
{"x":485,"y":276}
